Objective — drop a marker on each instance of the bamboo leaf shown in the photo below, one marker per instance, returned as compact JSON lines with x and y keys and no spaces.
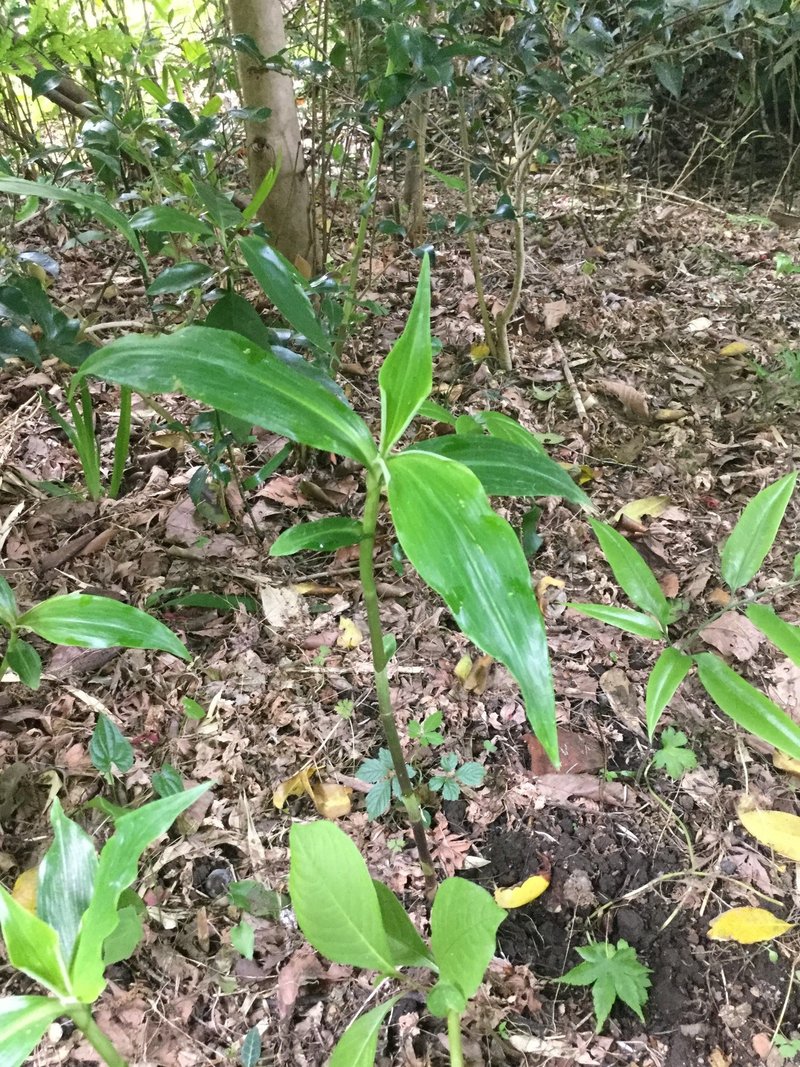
{"x":668,"y":672}
{"x":633,"y":622}
{"x":632,"y":573}
{"x":754,"y":534}
{"x":405,"y":378}
{"x":781,"y":633}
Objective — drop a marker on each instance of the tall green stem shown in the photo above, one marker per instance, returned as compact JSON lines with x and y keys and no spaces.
{"x":100,"y":1042}
{"x":379,"y":661}
{"x":121,"y":442}
{"x":454,"y":1039}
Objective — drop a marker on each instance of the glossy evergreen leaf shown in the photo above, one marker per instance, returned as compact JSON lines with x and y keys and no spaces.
{"x":754,"y":534}
{"x":358,"y":1044}
{"x":472,"y":558}
{"x":405,"y":378}
{"x":180,"y":278}
{"x":505,"y":468}
{"x":25,"y":661}
{"x":227,"y":372}
{"x":66,"y":879}
{"x":285,"y":287}
{"x":407,"y":947}
{"x":334,"y":899}
{"x":322,"y":535}
{"x":108,"y":748}
{"x":633,"y":622}
{"x":162,"y":218}
{"x":15,"y":342}
{"x":117,"y":869}
{"x":32,"y":946}
{"x":668,"y":672}
{"x":747,"y":706}
{"x":632,"y":573}
{"x":167,"y":782}
{"x":99,"y":622}
{"x":464,"y":922}
{"x":782,"y":634}
{"x":23,"y":1023}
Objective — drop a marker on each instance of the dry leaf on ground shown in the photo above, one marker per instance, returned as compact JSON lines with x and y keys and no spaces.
{"x":733,"y":635}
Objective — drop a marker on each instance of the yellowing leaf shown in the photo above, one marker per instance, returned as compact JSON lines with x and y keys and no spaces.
{"x":463,"y":668}
{"x":331,"y":800}
{"x":295,"y":786}
{"x":747,"y":926}
{"x":479,"y":352}
{"x":478,"y":677}
{"x":646,"y":505}
{"x":541,"y":588}
{"x":349,"y":634}
{"x":167,"y":441}
{"x":735,"y":348}
{"x":516,"y":896}
{"x":778,"y":830}
{"x":785,"y":763}
{"x":24,"y":891}
{"x":314,"y":589}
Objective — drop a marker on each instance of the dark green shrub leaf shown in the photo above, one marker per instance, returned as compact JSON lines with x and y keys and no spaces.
{"x":323,"y":535}
{"x":668,"y":672}
{"x":180,"y":278}
{"x":108,"y":748}
{"x":464,"y":922}
{"x":167,"y":782}
{"x":15,"y":342}
{"x":670,"y":73}
{"x":633,"y":622}
{"x":405,"y":378}
{"x":632,"y":573}
{"x":754,"y":534}
{"x":165,"y":219}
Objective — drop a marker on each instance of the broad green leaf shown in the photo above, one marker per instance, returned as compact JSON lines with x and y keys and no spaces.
{"x":747,"y":706}
{"x":472,"y":558}
{"x":407,"y":947}
{"x":227,"y":372}
{"x":444,"y":998}
{"x":224,"y":213}
{"x":633,"y":622}
{"x":124,"y":939}
{"x":507,"y":429}
{"x":464,"y":922}
{"x":323,"y":535}
{"x":23,"y":1022}
{"x":668,"y":672}
{"x":108,"y":748}
{"x":782,"y":634}
{"x":165,"y":219}
{"x":25,"y":661}
{"x":243,"y":939}
{"x":66,"y":879}
{"x":8,"y":602}
{"x":632,"y":573}
{"x":754,"y":534}
{"x":358,"y":1044}
{"x":167,"y":781}
{"x":505,"y":468}
{"x":180,"y":278}
{"x":97,"y":205}
{"x":286,"y":289}
{"x":117,"y":869}
{"x":405,"y":378}
{"x":334,"y":898}
{"x":99,"y":622}
{"x":32,"y":946}
{"x":429,"y":409}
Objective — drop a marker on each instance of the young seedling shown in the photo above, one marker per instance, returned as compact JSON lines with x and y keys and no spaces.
{"x":79,"y":920}
{"x":427,"y":732}
{"x":614,"y":974}
{"x":452,"y":776}
{"x":673,"y":756}
{"x":380,"y":773}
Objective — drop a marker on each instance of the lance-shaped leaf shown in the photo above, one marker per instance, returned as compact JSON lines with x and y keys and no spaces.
{"x":506,"y":468}
{"x":23,"y":1022}
{"x":117,"y":869}
{"x":782,"y":634}
{"x":323,"y":535}
{"x":633,"y":622}
{"x":99,"y":622}
{"x":32,"y":946}
{"x":66,"y":879}
{"x":359,"y":1042}
{"x":286,"y":289}
{"x":668,"y":672}
{"x":473,"y":559}
{"x":747,"y":706}
{"x":162,"y":218}
{"x":405,"y":378}
{"x":231,"y":374}
{"x":507,"y":429}
{"x":632,"y":573}
{"x":754,"y":534}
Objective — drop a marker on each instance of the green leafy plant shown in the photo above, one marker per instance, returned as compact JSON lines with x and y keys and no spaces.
{"x":673,"y":756}
{"x":614,"y":973}
{"x":83,"y":920}
{"x":742,"y":556}
{"x":436,"y":489}
{"x":352,"y":919}
{"x":427,"y":731}
{"x":108,"y":748}
{"x":76,"y":619}
{"x":380,"y":773}
{"x":451,"y":775}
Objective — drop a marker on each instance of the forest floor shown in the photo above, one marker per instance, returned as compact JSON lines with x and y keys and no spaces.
{"x":631,"y":294}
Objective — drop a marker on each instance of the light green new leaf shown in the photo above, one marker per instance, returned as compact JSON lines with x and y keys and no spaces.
{"x":117,"y":869}
{"x":334,"y":899}
{"x":358,"y":1044}
{"x":782,"y":634}
{"x":668,"y":672}
{"x":612,"y":972}
{"x":165,"y":219}
{"x":506,"y":468}
{"x":464,"y":922}
{"x":754,"y":534}
{"x":286,"y":289}
{"x":632,"y":573}
{"x":66,"y":879}
{"x":123,"y":941}
{"x":23,"y":1022}
{"x":507,"y":429}
{"x":227,"y":372}
{"x":407,"y":947}
{"x":99,"y":622}
{"x":471,"y":556}
{"x":633,"y":622}
{"x":747,"y":706}
{"x":405,"y":378}
{"x":429,"y":409}
{"x":32,"y":946}
{"x":25,"y":661}
{"x":323,"y":535}
{"x":444,"y":998}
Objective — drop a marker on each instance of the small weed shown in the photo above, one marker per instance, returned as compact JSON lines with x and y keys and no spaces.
{"x":673,"y":756}
{"x":322,"y":655}
{"x":427,"y":731}
{"x":380,"y":773}
{"x":452,"y":777}
{"x":787,"y":1048}
{"x":344,"y":708}
{"x":614,"y":974}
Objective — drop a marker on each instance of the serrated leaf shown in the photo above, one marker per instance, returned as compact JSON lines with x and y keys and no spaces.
{"x":23,"y":1022}
{"x":405,"y":377}
{"x":754,"y":534}
{"x":471,"y":774}
{"x":782,"y":634}
{"x":471,"y":556}
{"x":322,"y":535}
{"x":746,"y":705}
{"x":358,"y":1044}
{"x":778,"y":830}
{"x":517,"y":896}
{"x":673,"y":756}
{"x":464,"y":922}
{"x":632,"y":573}
{"x":108,"y":748}
{"x":66,"y":879}
{"x":668,"y":672}
{"x":613,"y":973}
{"x":633,"y":622}
{"x":747,"y":926}
{"x":670,"y":73}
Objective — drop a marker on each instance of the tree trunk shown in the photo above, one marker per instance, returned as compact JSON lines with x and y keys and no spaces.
{"x":276,"y":142}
